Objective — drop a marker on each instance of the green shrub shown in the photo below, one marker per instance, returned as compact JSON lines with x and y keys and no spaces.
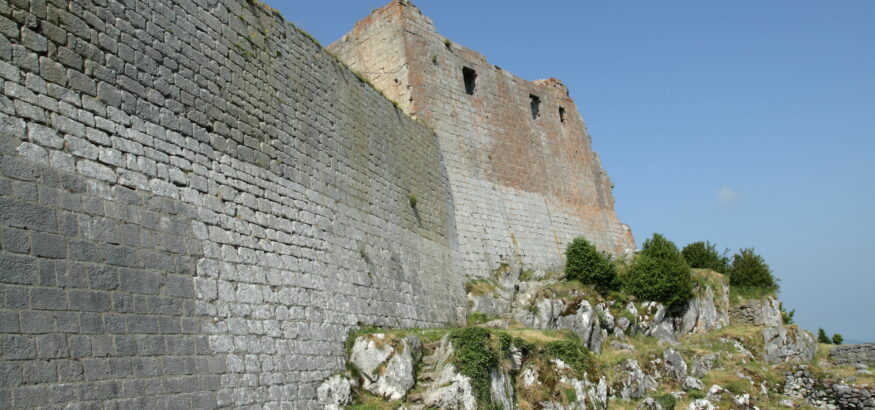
{"x":667,"y":401}
{"x":822,"y":337}
{"x":660,"y":274}
{"x":703,"y":255}
{"x":589,"y":266}
{"x":476,"y":359}
{"x":476,"y":318}
{"x":837,"y":339}
{"x":786,"y":316}
{"x":573,"y":354}
{"x":751,"y":271}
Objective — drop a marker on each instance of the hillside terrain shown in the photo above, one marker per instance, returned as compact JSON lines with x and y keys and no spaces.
{"x":541,"y":342}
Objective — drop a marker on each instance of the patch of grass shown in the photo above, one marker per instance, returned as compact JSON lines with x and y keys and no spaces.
{"x":739,"y":295}
{"x":575,"y":355}
{"x":667,"y":401}
{"x":366,"y":401}
{"x":527,"y":275}
{"x":479,"y":287}
{"x":570,"y":394}
{"x":410,"y":198}
{"x":448,"y":43}
{"x":476,"y":318}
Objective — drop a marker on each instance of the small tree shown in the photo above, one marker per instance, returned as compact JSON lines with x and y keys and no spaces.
{"x":585,"y":263}
{"x":660,"y":274}
{"x":750,"y":270}
{"x":787,"y":316}
{"x":837,"y":339}
{"x":822,"y":337}
{"x":703,"y":255}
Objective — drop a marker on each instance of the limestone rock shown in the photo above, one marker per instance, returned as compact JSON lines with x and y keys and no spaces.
{"x":782,"y":344}
{"x":450,"y":390}
{"x":691,"y":383}
{"x":622,"y":324}
{"x":586,"y":324}
{"x":703,"y":364}
{"x":706,"y":311}
{"x":530,"y":377}
{"x":648,"y":404}
{"x":714,"y":392}
{"x":368,"y":353}
{"x":701,"y":404}
{"x":607,"y":319}
{"x":387,"y":371}
{"x":542,"y":315}
{"x":335,"y":393}
{"x":502,"y":389}
{"x":664,"y":332}
{"x":675,"y":365}
{"x":759,"y":312}
{"x":622,"y":346}
{"x":637,"y":383}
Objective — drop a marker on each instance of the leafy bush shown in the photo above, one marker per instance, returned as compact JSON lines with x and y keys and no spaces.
{"x":822,"y":337}
{"x":660,"y":274}
{"x":475,"y":358}
{"x":667,"y":401}
{"x":589,"y":266}
{"x":573,"y":354}
{"x":703,"y":255}
{"x":750,"y":270}
{"x":837,"y":339}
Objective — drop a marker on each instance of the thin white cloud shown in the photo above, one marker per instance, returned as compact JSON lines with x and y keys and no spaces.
{"x":728,"y":196}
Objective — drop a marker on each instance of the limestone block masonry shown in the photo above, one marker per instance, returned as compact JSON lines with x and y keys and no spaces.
{"x":853,"y":354}
{"x":524,"y":177}
{"x":197,"y":202}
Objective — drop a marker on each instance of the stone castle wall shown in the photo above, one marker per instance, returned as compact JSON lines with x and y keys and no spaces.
{"x":853,"y":354}
{"x":523,"y":187}
{"x":197,"y":202}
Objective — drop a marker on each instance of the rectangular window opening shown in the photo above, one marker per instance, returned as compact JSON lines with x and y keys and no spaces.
{"x":470,"y":80}
{"x":562,"y":115}
{"x":536,"y":106}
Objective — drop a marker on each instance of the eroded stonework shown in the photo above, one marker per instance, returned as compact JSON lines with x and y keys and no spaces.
{"x":525,"y":180}
{"x":198,"y":202}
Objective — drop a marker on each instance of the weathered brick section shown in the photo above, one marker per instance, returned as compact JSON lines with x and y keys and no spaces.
{"x":196,"y":203}
{"x":523,"y":187}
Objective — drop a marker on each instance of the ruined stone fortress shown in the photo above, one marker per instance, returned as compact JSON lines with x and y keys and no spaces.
{"x":198,"y":201}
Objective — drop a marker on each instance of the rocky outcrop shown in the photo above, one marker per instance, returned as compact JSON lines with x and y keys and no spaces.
{"x":853,"y":354}
{"x":758,"y":312}
{"x":636,"y":384}
{"x":387,"y":370}
{"x":502,"y":389}
{"x":675,"y":366}
{"x":707,"y":310}
{"x":594,"y":322}
{"x":586,"y":324}
{"x":335,"y":393}
{"x":450,"y":390}
{"x":784,"y":344}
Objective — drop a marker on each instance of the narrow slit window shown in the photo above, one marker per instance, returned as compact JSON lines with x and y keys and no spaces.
{"x":470,"y":77}
{"x":536,"y":106}
{"x":562,"y":115}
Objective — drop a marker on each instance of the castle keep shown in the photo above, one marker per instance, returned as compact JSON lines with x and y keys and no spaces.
{"x":198,"y":202}
{"x":524,"y":177}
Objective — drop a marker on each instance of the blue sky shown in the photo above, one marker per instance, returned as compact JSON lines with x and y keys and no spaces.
{"x":746,"y":123}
